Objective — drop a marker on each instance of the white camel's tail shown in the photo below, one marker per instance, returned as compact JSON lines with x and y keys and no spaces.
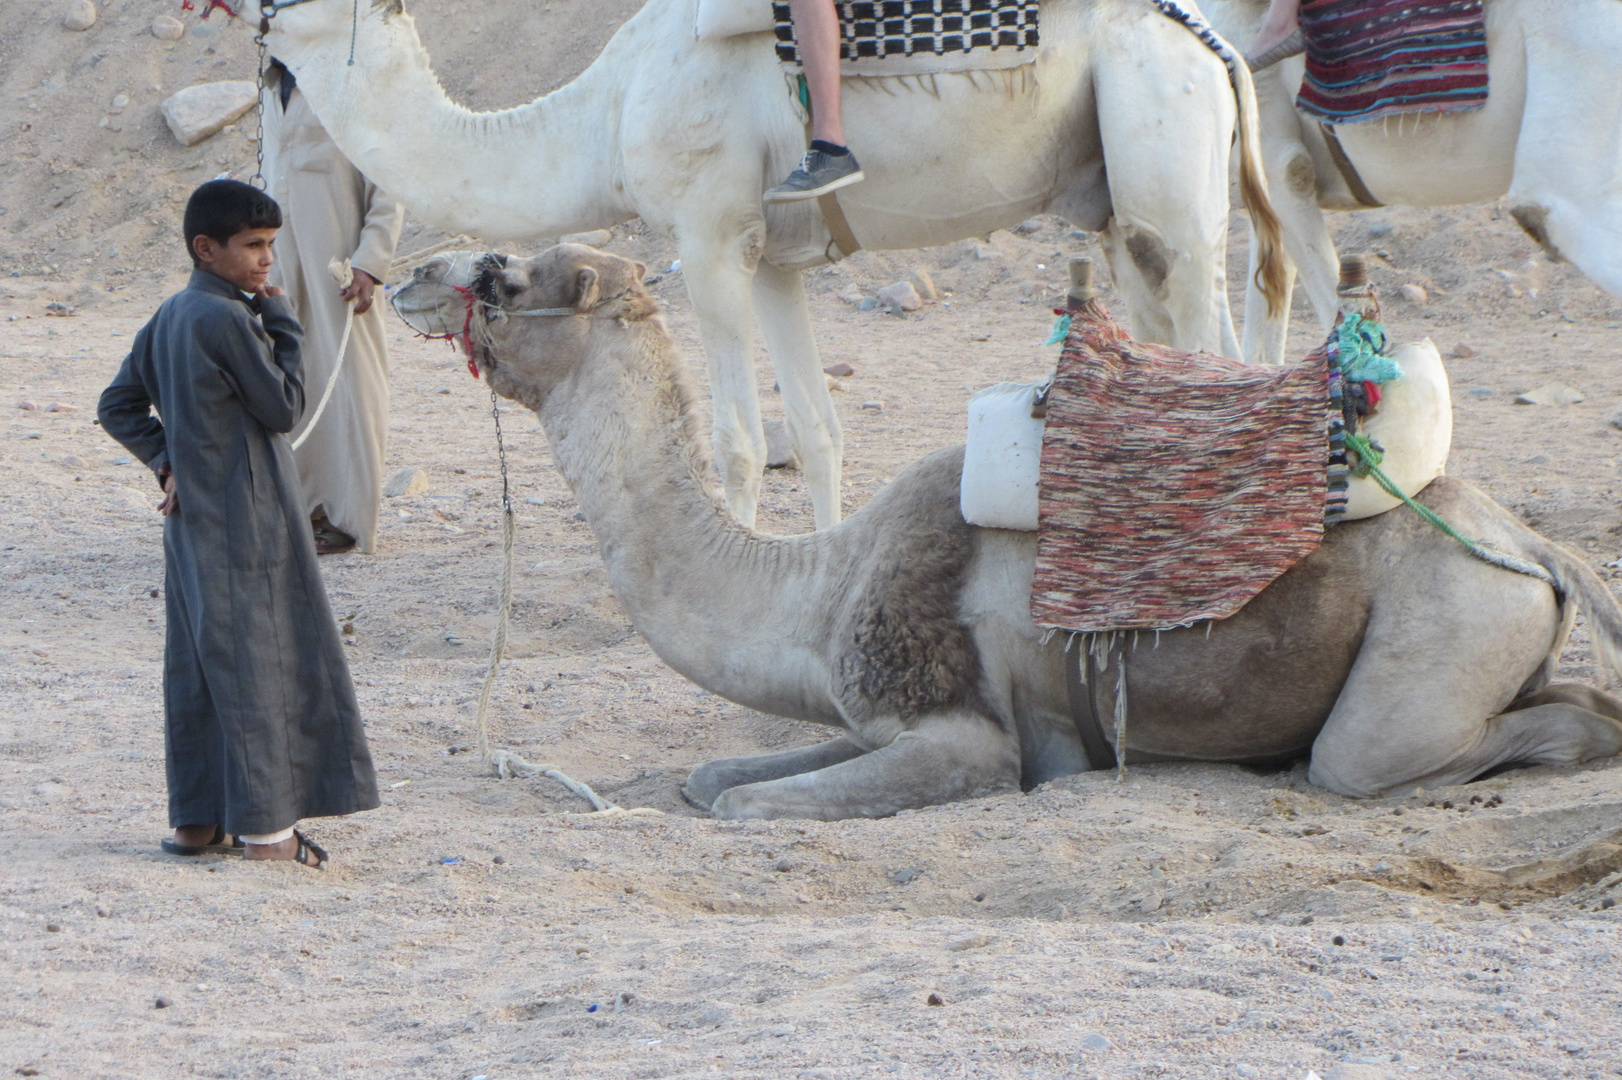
{"x":1582,"y":589}
{"x":1272,"y":273}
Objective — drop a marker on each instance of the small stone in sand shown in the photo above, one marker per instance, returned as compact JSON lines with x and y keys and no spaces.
{"x":80,"y":15}
{"x":934,"y":999}
{"x":1414,"y":294}
{"x":1461,"y":351}
{"x":841,"y":369}
{"x":779,"y":448}
{"x":53,"y":928}
{"x":168,"y":28}
{"x":406,"y":482}
{"x":1553,"y":393}
{"x":876,"y":406}
{"x":57,"y":406}
{"x":27,"y":406}
{"x":162,"y":1003}
{"x":900,"y":296}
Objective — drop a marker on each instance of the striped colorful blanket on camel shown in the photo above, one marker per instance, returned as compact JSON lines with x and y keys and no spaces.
{"x":1368,"y":59}
{"x":1176,"y":486}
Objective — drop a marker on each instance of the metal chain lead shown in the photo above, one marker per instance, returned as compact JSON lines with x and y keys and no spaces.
{"x":258,"y":178}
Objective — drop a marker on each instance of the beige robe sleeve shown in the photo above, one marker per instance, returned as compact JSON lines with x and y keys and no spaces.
{"x":379,"y":234}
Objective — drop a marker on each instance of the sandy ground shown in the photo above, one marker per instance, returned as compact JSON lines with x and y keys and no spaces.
{"x":1197,"y":921}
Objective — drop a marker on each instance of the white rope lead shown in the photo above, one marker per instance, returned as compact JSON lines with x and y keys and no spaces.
{"x":505,"y":764}
{"x":343,"y":275}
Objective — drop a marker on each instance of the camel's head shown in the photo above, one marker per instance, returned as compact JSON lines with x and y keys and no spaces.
{"x":324,"y":22}
{"x":526,"y":320}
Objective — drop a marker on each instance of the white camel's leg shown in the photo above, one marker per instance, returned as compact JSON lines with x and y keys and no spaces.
{"x":1567,"y":189}
{"x":707,"y":781}
{"x":1166,"y":144}
{"x":1440,"y":658}
{"x":945,"y":758}
{"x":813,"y":426}
{"x":718,"y":272}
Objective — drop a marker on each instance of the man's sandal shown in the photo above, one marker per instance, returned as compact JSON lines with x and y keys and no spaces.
{"x":216,"y":846}
{"x":332,"y":541}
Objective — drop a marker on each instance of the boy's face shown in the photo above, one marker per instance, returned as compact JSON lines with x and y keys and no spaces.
{"x":244,"y":261}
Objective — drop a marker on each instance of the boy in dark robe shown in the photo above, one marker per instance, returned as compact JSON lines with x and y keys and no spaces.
{"x":261,"y":724}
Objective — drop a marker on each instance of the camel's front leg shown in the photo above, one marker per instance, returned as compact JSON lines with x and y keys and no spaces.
{"x":945,"y":758}
{"x":813,"y":426}
{"x":718,"y":269}
{"x":706,"y":782}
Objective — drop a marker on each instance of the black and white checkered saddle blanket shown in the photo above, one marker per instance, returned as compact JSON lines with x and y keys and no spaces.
{"x":923,"y":37}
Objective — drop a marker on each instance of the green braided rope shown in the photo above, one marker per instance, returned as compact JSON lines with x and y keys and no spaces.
{"x":1368,"y":464}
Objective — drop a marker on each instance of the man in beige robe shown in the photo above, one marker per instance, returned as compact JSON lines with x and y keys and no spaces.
{"x":330,"y":211}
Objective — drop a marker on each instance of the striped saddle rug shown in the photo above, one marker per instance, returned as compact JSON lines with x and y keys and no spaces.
{"x":922,"y":37}
{"x":1176,"y":486}
{"x":1368,"y":59}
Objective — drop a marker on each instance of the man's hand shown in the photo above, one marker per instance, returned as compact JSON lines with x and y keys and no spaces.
{"x":360,"y":287}
{"x":169,"y":505}
{"x":272,"y":290}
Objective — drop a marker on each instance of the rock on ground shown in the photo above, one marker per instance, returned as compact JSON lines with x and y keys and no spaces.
{"x":199,"y":111}
{"x":80,"y":15}
{"x":406,"y":482}
{"x":1551,"y":393}
{"x":168,"y":28}
{"x":779,"y":448}
{"x":595,"y":238}
{"x":900,"y":295}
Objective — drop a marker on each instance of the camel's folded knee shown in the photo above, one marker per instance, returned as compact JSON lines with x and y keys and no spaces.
{"x":943,"y":759}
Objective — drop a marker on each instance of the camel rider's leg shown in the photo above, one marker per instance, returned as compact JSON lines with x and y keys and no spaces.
{"x":1280,"y":36}
{"x":828,"y":165}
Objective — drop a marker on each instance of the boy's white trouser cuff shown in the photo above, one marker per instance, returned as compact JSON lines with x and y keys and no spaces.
{"x":268,"y":838}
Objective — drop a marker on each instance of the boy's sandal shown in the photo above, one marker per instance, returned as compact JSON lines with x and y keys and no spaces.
{"x":306,"y":848}
{"x":216,"y":846}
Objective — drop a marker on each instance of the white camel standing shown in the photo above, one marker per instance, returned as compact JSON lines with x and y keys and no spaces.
{"x":1123,"y":125}
{"x":1389,"y":654}
{"x":1549,"y":137}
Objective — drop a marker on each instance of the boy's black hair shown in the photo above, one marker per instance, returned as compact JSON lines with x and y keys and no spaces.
{"x":220,"y":209}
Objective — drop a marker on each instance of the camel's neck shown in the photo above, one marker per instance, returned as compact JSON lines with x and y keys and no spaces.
{"x":730,"y":609}
{"x":537,"y":171}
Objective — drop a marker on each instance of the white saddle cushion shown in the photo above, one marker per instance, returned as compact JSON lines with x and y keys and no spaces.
{"x":729,"y":18}
{"x":1002,"y":458}
{"x":1414,"y":423}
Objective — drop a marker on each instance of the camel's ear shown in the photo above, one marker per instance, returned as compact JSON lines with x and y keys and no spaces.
{"x":586,"y":288}
{"x":641,"y":271}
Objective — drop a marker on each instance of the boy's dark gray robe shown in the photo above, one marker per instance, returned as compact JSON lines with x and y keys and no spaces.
{"x":262,"y":726}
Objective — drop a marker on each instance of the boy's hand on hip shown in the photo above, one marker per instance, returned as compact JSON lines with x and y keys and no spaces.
{"x":170,"y":504}
{"x":360,"y":287}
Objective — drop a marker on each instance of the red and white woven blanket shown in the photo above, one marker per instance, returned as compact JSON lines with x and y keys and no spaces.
{"x":1175,"y":486}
